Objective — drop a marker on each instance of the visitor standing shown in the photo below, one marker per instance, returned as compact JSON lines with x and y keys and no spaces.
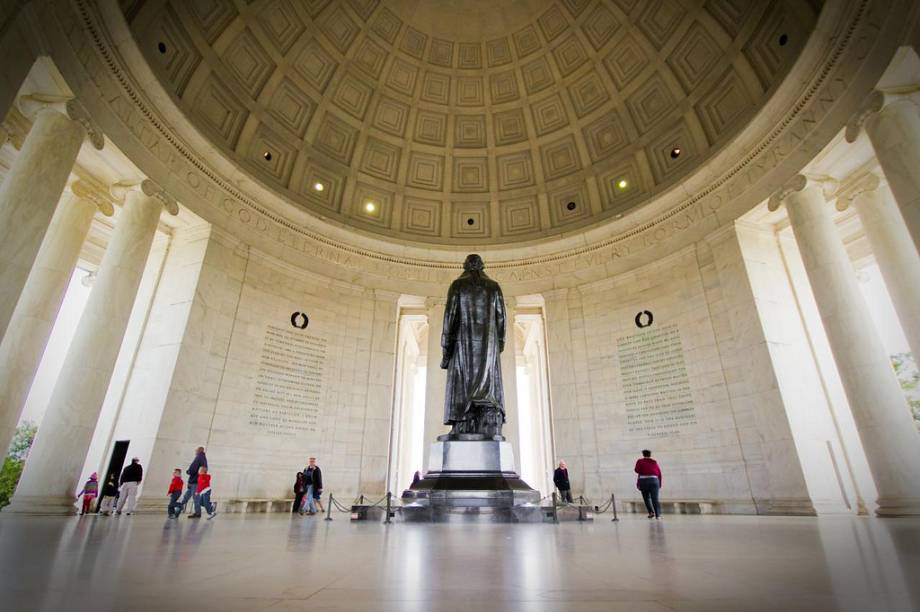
{"x":204,"y":492}
{"x":131,"y":478}
{"x":649,"y":482}
{"x":109,"y":495}
{"x":313,"y":477}
{"x":174,"y":491}
{"x":191,"y":491}
{"x":561,"y":480}
{"x":89,"y":493}
{"x":300,"y":487}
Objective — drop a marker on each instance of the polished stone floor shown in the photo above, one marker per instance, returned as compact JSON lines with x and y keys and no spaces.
{"x":276,"y":562}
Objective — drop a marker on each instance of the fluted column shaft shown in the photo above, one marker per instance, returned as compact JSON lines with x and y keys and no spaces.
{"x":879,"y":408}
{"x":894,"y":131}
{"x":435,"y":377}
{"x":30,"y":326}
{"x":897,"y":258}
{"x":28,"y":197}
{"x":52,"y":471}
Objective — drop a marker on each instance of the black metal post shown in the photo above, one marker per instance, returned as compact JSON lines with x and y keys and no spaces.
{"x":389,"y":496}
{"x":555,"y":516}
{"x":613,"y":504}
{"x":362,"y":499}
{"x":329,"y":509}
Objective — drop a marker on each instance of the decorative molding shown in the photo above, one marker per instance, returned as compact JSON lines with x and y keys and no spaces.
{"x":94,"y":193}
{"x":867,"y":182}
{"x":119,"y":191}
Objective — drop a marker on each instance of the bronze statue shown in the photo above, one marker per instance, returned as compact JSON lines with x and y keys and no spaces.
{"x":472,"y":340}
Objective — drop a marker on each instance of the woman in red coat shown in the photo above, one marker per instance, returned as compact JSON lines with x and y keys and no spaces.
{"x":649,"y":482}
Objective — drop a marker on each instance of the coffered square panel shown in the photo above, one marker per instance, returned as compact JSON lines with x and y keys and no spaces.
{"x":441,"y":52}
{"x":213,"y":16}
{"x":364,"y":8}
{"x":436,"y":88}
{"x":724,"y":105}
{"x":271,"y":155}
{"x":322,"y":186}
{"x":470,"y":131}
{"x":549,"y":115}
{"x":282,"y":24}
{"x":622,"y":185}
{"x":576,"y":7}
{"x":470,"y":56}
{"x":386,"y":25}
{"x":422,"y":217}
{"x":178,"y":56}
{"x":338,"y":28}
{"x":659,"y":20}
{"x":336,"y":139}
{"x":515,"y":171}
{"x":381,"y":159}
{"x":651,"y":103}
{"x":371,"y":205}
{"x":220,"y":111}
{"x":498,"y":52}
{"x":426,"y":171}
{"x":503,"y":87}
{"x":519,"y":216}
{"x":588,"y":94}
{"x":314,"y":65}
{"x":470,"y":175}
{"x":469,"y":91}
{"x":605,"y":136}
{"x":247,"y":60}
{"x":353,"y":96}
{"x":560,"y":158}
{"x":626,"y":61}
{"x":526,"y":41}
{"x":431,"y":128}
{"x":470,"y":219}
{"x":509,"y":126}
{"x":413,"y":43}
{"x":570,"y":55}
{"x":569,"y":205}
{"x":291,"y":107}
{"x":552,"y":23}
{"x":694,"y":57}
{"x":600,"y":26}
{"x":370,"y":58}
{"x":660,"y":151}
{"x":391,"y":116}
{"x":537,"y":75}
{"x":402,"y":77}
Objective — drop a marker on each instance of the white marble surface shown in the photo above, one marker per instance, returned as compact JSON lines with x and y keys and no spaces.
{"x":278,"y":562}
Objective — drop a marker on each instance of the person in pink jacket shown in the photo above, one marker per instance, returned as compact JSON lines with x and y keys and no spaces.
{"x":649,"y":482}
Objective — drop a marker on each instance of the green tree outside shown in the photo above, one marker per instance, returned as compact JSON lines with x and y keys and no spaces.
{"x":15,"y":459}
{"x":909,"y":377}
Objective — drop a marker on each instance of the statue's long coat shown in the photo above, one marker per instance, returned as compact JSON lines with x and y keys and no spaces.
{"x":473,"y":338}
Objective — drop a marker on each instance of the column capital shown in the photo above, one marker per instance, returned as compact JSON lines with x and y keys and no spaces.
{"x":800,"y":182}
{"x":872,"y":105}
{"x":32,"y":104}
{"x":85,"y":190}
{"x":867,"y":182}
{"x":150,"y":189}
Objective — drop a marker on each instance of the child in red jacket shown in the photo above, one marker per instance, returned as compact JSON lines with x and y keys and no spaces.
{"x":175,"y":490}
{"x":89,"y":493}
{"x":204,"y":492}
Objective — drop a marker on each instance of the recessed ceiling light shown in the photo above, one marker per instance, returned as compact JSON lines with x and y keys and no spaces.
{"x":318,"y":186}
{"x":370,"y":207}
{"x":267,"y":155}
{"x":161,"y":47}
{"x":622,"y":184}
{"x":571,"y":205}
{"x":675,"y":152}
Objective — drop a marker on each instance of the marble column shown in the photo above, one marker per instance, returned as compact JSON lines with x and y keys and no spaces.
{"x":892,"y":123}
{"x":879,"y":408}
{"x":512,"y":428}
{"x":30,"y":326}
{"x":435,"y":377}
{"x":893,"y":248}
{"x":52,"y":471}
{"x":32,"y":188}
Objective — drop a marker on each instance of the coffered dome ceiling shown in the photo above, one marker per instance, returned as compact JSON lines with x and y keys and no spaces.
{"x":476,"y":121}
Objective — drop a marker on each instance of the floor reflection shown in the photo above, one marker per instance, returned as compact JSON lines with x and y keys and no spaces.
{"x":277,"y":562}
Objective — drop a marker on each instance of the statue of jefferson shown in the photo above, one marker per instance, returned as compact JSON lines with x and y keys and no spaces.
{"x":472,"y":340}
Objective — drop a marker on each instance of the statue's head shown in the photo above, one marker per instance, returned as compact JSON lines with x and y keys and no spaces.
{"x":473,"y":263}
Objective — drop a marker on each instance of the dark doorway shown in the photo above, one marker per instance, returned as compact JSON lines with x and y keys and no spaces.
{"x":116,"y":462}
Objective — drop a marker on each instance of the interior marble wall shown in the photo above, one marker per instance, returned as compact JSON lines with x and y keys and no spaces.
{"x":754,"y":426}
{"x":205,"y":360}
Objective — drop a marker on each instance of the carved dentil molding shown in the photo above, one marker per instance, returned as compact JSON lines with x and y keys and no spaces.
{"x":150,"y":189}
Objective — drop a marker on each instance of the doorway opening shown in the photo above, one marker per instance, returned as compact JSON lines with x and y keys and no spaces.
{"x":116,"y":463}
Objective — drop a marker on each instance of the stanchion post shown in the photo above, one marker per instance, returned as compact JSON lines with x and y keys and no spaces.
{"x":362,"y":499}
{"x":389,"y":497}
{"x":613,"y":504}
{"x":555,"y":516}
{"x":329,"y":509}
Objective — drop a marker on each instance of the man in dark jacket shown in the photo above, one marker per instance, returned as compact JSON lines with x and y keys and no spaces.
{"x":561,"y":480}
{"x":191,"y":491}
{"x":131,"y":477}
{"x":313,"y":477}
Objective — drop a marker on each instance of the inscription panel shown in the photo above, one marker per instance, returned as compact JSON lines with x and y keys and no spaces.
{"x":289,"y":384}
{"x":656,"y":387}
